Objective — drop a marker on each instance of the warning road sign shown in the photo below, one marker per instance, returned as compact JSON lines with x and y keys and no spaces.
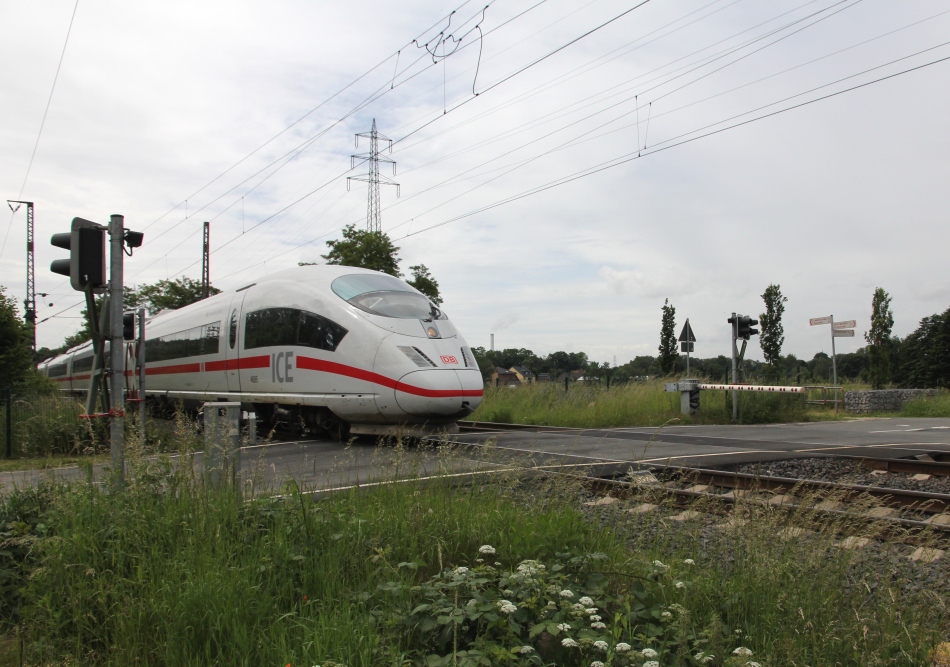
{"x":687,"y":336}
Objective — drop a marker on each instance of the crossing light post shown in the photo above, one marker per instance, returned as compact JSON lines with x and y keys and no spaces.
{"x":741,"y":329}
{"x":86,"y":269}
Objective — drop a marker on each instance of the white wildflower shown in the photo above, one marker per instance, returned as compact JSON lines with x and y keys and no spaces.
{"x":552,"y":604}
{"x":525,"y":649}
{"x":471,"y":603}
{"x":689,"y":561}
{"x":566,"y":593}
{"x":595,"y":617}
{"x":592,"y":610}
{"x":681,"y":584}
{"x":486,"y":549}
{"x":506,"y":607}
{"x":567,"y":642}
{"x":597,"y":663}
{"x":623,"y":647}
{"x":704,"y":658}
{"x":752,"y":664}
{"x":658,"y":564}
{"x":497,"y":564}
{"x":508,"y":592}
{"x":651,"y":663}
{"x":666,"y":614}
{"x":602,"y":645}
{"x":577,"y":606}
{"x":586,"y":601}
{"x":530,"y":567}
{"x":649,"y":653}
{"x":563,"y":627}
{"x":460,"y":570}
{"x":479,"y":560}
{"x":597,"y":625}
{"x":743,"y":651}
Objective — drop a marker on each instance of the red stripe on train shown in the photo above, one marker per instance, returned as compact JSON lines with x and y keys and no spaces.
{"x":320,"y":365}
{"x":309,"y":363}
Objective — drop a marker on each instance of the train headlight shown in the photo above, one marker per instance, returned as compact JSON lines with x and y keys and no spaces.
{"x":432,"y":331}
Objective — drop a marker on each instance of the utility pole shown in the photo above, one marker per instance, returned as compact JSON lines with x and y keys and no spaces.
{"x":206,"y":261}
{"x":29,"y":303}
{"x":373,"y":177}
{"x":116,"y":349}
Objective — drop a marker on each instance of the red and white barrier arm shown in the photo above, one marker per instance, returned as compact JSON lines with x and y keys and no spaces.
{"x":755,"y":387}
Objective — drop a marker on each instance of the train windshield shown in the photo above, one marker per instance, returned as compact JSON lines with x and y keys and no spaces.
{"x":386,"y":296}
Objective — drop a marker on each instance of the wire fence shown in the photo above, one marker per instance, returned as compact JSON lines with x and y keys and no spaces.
{"x":43,"y":424}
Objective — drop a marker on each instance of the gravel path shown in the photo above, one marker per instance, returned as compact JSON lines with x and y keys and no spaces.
{"x":845,"y":471}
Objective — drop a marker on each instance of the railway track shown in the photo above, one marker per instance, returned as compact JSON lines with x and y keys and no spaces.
{"x":920,"y":464}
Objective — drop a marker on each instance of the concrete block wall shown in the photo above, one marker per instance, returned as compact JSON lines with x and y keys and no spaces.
{"x":882,"y":400}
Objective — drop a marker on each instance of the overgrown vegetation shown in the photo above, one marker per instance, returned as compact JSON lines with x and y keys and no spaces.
{"x":593,"y":405}
{"x":503,"y":571}
{"x":928,"y":406}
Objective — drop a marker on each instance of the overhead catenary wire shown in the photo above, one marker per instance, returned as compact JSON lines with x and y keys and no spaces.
{"x":39,"y":134}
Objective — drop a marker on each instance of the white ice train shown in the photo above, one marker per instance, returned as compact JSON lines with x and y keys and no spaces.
{"x":340,"y":348}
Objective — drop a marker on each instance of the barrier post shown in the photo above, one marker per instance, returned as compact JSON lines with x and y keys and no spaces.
{"x":9,"y":403}
{"x":222,"y":455}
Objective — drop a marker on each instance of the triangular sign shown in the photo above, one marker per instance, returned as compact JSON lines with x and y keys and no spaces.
{"x":687,"y":335}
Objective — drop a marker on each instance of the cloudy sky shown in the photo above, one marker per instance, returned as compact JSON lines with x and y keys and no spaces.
{"x":564,"y":166}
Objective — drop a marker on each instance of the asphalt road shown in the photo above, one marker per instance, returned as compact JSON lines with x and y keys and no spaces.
{"x":323,"y":465}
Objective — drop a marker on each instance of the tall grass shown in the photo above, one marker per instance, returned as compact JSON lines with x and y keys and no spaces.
{"x":169,"y":573}
{"x":635,"y":404}
{"x":928,"y":406}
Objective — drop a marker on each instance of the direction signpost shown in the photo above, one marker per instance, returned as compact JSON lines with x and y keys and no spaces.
{"x":843,"y":329}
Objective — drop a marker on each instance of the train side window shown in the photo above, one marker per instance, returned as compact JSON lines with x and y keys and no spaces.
{"x":81,"y":364}
{"x":271,"y":326}
{"x":57,"y":370}
{"x":232,"y":333}
{"x":319,"y":332}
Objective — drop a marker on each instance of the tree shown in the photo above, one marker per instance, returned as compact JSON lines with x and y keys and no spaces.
{"x":15,"y":353}
{"x":773,"y":334}
{"x":879,"y":339}
{"x":668,"y":354}
{"x":375,"y":250}
{"x":925,"y":354}
{"x":365,"y":249}
{"x":167,"y":294}
{"x":423,"y":281}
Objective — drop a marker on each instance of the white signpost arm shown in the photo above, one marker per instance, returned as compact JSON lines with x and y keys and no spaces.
{"x":834,"y":362}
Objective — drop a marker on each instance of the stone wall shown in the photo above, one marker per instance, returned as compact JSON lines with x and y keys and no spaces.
{"x":882,"y":400}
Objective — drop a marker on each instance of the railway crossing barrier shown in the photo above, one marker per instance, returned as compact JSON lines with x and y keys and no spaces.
{"x":690,"y":389}
{"x":222,"y":456}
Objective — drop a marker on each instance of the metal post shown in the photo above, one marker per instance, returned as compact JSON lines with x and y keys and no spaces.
{"x":30,"y":314}
{"x":206,"y":261}
{"x":9,"y":401}
{"x":116,"y":352}
{"x":252,"y":428}
{"x":834,"y":362}
{"x":687,"y":359}
{"x":735,"y":368}
{"x":141,"y":361}
{"x":493,"y":342}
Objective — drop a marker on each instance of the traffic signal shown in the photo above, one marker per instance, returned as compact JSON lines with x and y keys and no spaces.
{"x":86,"y":243}
{"x":128,"y":326}
{"x":744,"y":328}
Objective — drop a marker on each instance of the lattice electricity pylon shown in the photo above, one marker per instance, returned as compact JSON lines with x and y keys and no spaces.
{"x":373,"y":178}
{"x":29,"y":302}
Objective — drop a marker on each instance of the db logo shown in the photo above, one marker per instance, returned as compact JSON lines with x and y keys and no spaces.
{"x":449,"y":360}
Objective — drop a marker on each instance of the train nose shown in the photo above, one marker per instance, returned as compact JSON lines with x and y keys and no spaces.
{"x":437,"y":393}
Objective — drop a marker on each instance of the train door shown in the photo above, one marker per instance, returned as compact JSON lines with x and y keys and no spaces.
{"x":232,"y":351}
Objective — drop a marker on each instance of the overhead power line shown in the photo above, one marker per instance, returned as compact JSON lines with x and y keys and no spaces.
{"x":39,"y":134}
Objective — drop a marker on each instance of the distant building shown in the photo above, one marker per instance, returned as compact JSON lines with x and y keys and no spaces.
{"x":524,"y":375}
{"x":504,"y":378}
{"x":543,"y":377}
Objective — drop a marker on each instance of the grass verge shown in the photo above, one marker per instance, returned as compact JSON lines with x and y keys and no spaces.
{"x":635,"y":404}
{"x":503,"y":572}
